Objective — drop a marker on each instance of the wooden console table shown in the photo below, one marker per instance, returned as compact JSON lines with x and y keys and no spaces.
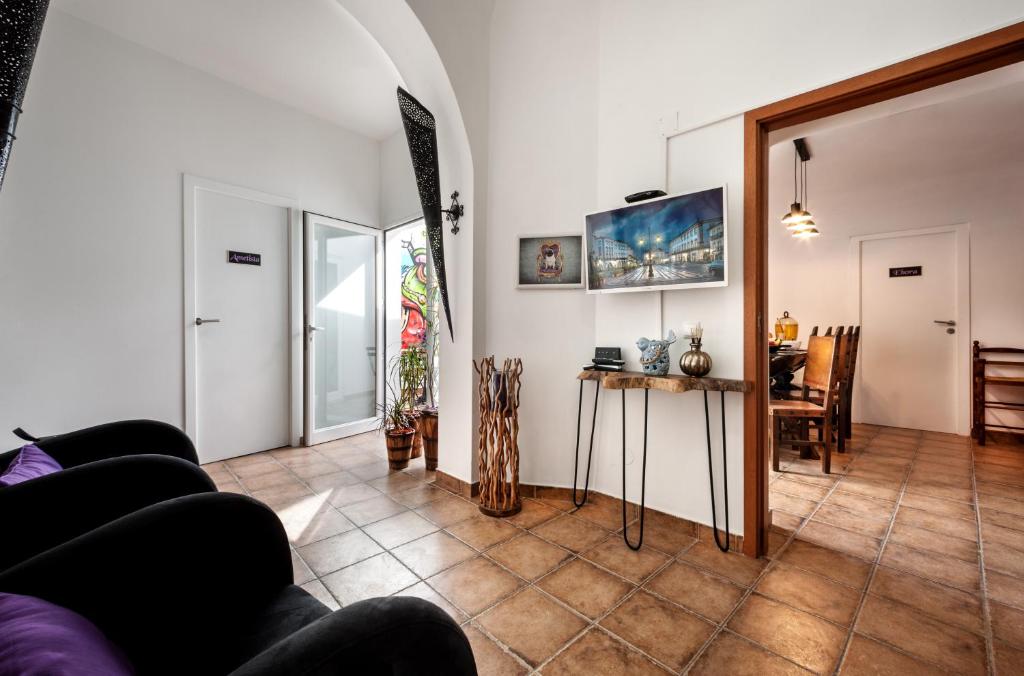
{"x":631,"y":380}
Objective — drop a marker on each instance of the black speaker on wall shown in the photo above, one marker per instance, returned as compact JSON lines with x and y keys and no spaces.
{"x":21,"y":23}
{"x":421,"y":134}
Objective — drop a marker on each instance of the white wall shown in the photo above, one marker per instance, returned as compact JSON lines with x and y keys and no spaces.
{"x":91,"y":223}
{"x":399,"y":198}
{"x":864,"y":187}
{"x":460,"y":31}
{"x":544,"y":151}
{"x":655,"y":59}
{"x":436,"y":45}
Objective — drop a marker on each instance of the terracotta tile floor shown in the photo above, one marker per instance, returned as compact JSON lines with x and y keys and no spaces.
{"x":908,"y":559}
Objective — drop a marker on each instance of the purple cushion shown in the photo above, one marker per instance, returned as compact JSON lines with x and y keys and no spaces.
{"x":37,"y":637}
{"x":32,"y":462}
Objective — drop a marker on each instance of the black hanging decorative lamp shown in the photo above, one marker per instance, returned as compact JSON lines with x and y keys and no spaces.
{"x":21,"y":23}
{"x":807,"y":229}
{"x":421,"y":134}
{"x":797,"y":218}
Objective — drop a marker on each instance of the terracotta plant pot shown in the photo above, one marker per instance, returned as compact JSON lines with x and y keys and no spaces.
{"x":428,"y":424}
{"x":399,"y":443}
{"x":417,"y":442}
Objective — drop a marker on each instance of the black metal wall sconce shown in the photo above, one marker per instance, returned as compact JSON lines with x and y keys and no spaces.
{"x":455,"y":212}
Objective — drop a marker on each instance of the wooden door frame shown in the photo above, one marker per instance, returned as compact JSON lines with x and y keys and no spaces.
{"x":977,"y":55}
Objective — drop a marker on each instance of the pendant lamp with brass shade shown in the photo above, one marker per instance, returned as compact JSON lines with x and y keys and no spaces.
{"x":798,"y":219}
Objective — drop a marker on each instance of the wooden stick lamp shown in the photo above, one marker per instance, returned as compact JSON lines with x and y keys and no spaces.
{"x":498,"y":446}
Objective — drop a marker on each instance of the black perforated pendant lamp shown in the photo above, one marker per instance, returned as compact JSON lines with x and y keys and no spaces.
{"x":421,"y":134}
{"x":21,"y":23}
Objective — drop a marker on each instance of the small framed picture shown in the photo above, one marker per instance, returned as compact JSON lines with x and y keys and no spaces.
{"x":550,"y":262}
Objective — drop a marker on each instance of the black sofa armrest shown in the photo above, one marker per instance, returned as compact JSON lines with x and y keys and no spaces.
{"x":169,"y":582}
{"x":53,"y":509}
{"x":396,"y":635}
{"x":112,"y":440}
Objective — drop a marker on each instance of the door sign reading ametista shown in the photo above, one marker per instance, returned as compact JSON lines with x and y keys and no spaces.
{"x":244,"y":258}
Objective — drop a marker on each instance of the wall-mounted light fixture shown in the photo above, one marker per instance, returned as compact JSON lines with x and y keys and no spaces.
{"x":798,"y":219}
{"x":455,"y":212}
{"x":21,"y":23}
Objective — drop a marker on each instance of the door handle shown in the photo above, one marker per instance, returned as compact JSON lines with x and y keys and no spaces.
{"x":947,"y":322}
{"x":315,"y":328}
{"x":200,"y":321}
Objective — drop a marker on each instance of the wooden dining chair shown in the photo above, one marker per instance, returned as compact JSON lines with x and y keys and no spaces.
{"x":847,"y":413}
{"x":820,"y":373}
{"x":840,"y":409}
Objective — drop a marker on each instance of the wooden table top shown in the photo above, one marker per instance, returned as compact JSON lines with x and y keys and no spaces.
{"x":629,"y":380}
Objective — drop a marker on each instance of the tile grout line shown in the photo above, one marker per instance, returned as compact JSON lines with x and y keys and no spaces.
{"x":590,"y":624}
{"x":908,"y":466}
{"x":986,"y":610}
{"x":773,"y":563}
{"x":596,"y":622}
{"x":386,"y":550}
{"x":878,"y":558}
{"x":636,"y":588}
{"x":884,"y":642}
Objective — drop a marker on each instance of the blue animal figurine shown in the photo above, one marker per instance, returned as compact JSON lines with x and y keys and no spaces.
{"x":654,"y":355}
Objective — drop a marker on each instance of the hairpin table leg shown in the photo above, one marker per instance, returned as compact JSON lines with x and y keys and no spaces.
{"x":711,"y":474}
{"x":590,"y":453}
{"x":643,"y":474}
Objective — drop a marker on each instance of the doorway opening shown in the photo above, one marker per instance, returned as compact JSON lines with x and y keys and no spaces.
{"x":344,"y":327}
{"x":979,"y":55}
{"x":411,"y":302}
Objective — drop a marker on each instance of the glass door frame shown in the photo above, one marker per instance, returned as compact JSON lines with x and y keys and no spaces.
{"x":312,"y":435}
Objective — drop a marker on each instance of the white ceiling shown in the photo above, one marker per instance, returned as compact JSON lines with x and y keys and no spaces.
{"x":309,"y":54}
{"x":919,"y":135}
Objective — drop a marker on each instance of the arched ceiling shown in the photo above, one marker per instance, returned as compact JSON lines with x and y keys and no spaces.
{"x":309,"y":54}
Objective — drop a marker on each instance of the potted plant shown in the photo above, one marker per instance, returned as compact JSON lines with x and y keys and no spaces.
{"x":409,"y":370}
{"x":428,"y":413}
{"x":399,"y":431}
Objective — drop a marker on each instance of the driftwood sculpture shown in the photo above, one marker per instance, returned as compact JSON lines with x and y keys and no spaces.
{"x":498,"y":447}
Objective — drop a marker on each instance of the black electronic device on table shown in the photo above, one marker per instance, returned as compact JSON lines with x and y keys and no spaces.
{"x":606,"y":359}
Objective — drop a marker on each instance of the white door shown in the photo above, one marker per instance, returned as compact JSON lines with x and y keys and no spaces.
{"x":238,"y":330}
{"x":344,"y":326}
{"x":910,"y":335}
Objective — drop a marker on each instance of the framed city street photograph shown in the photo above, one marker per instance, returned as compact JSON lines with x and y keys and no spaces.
{"x":550,"y":262}
{"x":672,"y":242}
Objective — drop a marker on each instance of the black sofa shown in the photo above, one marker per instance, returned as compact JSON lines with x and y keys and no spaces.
{"x":109,"y":471}
{"x":202,"y":584}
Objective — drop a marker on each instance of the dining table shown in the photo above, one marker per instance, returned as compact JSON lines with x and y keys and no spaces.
{"x":783,"y":364}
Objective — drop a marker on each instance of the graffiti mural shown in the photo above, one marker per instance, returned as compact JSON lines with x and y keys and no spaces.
{"x":414,"y":289}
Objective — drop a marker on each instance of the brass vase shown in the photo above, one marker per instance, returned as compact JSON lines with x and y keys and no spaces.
{"x":696,"y":362}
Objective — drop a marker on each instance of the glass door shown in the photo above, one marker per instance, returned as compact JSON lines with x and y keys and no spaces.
{"x":343,"y":323}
